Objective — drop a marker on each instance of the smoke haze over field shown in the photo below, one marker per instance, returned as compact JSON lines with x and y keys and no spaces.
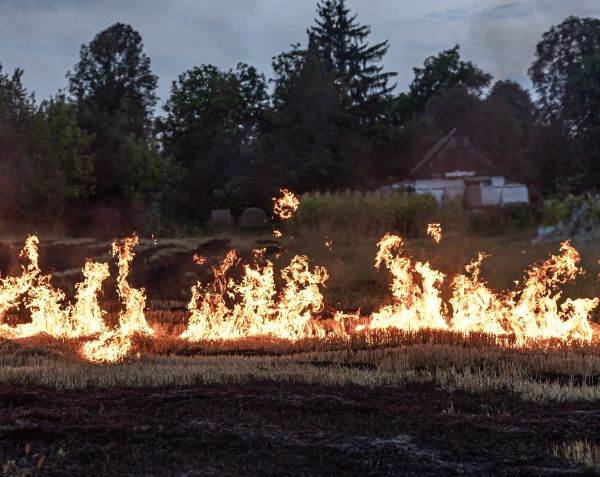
{"x":44,"y":36}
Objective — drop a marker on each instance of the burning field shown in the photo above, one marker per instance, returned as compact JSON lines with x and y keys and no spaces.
{"x":250,"y":357}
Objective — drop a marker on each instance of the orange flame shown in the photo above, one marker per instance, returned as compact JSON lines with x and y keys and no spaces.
{"x":251,"y":306}
{"x":435,"y":232}
{"x":257,"y":309}
{"x":285,"y":206}
{"x":415,"y":288}
{"x":49,"y":313}
{"x":113,"y":345}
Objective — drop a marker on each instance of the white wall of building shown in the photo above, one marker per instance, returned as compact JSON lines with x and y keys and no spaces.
{"x":491,"y":191}
{"x":515,"y":193}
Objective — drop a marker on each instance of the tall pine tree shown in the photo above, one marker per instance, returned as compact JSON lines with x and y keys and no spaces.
{"x":307,"y":142}
{"x":356,"y":65}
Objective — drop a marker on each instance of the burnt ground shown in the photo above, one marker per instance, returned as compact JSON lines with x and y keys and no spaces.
{"x":267,"y":429}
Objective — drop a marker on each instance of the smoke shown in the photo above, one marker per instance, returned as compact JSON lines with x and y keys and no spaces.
{"x":504,"y":34}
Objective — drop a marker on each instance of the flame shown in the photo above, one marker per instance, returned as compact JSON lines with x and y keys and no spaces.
{"x":110,"y":347}
{"x":86,"y":314}
{"x":435,"y":232}
{"x":209,"y":311}
{"x":475,"y":307}
{"x":285,"y":206}
{"x":258,"y":310}
{"x":49,"y":313}
{"x":415,"y":288}
{"x":253,"y":305}
{"x":536,"y":314}
{"x":132,"y":319}
{"x":113,"y":345}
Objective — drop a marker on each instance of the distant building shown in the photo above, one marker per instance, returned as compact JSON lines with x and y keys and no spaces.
{"x":457,"y":167}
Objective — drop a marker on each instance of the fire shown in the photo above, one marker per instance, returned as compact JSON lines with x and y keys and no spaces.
{"x":254,"y":306}
{"x":415,"y":288}
{"x":285,"y":206}
{"x":257,"y":310}
{"x":86,"y":314}
{"x":113,"y":345}
{"x":475,"y":308}
{"x":49,"y":313}
{"x":536,"y":314}
{"x":435,"y":232}
{"x":131,"y":319}
{"x":530,"y":314}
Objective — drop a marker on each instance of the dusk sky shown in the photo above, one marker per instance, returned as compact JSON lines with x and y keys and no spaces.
{"x":44,"y":36}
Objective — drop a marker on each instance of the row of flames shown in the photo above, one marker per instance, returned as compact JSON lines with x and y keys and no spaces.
{"x":228,"y":309}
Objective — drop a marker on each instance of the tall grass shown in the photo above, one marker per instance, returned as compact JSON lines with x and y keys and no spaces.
{"x":407,"y":214}
{"x":579,"y":452}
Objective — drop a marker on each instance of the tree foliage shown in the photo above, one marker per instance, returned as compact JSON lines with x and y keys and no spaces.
{"x":582,"y":112}
{"x":356,"y":65}
{"x":331,"y":121}
{"x":305,"y":146}
{"x":443,"y":72}
{"x":212,"y":119}
{"x":45,"y":168}
{"x":114,"y":89}
{"x":559,"y":56}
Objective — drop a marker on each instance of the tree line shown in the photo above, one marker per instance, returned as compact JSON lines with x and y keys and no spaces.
{"x":330,"y":117}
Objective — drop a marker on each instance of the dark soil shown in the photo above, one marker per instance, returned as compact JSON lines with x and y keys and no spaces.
{"x":286,"y":430}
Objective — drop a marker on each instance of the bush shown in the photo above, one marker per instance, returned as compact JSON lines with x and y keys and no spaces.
{"x":556,"y":210}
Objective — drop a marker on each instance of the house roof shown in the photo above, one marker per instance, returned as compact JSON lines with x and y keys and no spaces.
{"x":456,"y":151}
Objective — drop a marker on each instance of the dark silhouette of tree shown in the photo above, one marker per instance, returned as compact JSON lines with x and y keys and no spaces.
{"x":510,"y":121}
{"x":44,"y":168}
{"x":502,"y":122}
{"x":445,"y":71}
{"x":582,"y":116}
{"x":213,"y":119}
{"x":306,"y":147}
{"x":114,"y":89}
{"x":559,"y":56}
{"x":356,"y":65}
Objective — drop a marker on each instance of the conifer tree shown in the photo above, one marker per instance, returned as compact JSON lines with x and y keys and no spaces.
{"x":356,"y":65}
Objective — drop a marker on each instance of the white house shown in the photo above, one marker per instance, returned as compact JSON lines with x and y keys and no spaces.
{"x":456,"y":167}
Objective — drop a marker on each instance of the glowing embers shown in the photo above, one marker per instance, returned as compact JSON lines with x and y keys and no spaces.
{"x":251,"y":306}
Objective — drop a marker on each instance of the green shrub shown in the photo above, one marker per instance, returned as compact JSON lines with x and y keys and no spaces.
{"x":556,"y":210}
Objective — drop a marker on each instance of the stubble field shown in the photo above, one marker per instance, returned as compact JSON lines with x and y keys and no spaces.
{"x":379,"y":403}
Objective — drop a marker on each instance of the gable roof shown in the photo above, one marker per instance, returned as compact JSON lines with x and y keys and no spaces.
{"x":445,"y":156}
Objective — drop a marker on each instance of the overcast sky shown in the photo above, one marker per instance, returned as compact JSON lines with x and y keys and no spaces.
{"x":44,"y":36}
